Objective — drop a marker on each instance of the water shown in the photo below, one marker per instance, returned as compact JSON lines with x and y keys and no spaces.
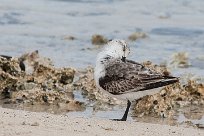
{"x":41,"y":25}
{"x":171,"y":25}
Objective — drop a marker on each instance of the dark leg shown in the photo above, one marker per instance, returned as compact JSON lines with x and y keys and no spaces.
{"x":124,"y":118}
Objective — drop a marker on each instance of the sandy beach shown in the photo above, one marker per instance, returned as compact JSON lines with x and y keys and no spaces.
{"x":24,"y":123}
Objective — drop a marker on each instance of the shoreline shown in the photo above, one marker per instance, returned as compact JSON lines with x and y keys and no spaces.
{"x":25,"y":123}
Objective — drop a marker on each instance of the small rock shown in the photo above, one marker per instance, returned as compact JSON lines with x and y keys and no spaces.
{"x":32,"y":60}
{"x":200,"y":126}
{"x":180,"y":59}
{"x":35,"y":124}
{"x":201,"y":89}
{"x":99,"y":39}
{"x":23,"y":123}
{"x":28,"y":86}
{"x":67,"y":76}
{"x":137,"y":35}
{"x":164,"y":15}
{"x":69,"y":38}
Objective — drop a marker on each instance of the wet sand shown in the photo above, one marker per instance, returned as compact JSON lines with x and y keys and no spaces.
{"x":24,"y":123}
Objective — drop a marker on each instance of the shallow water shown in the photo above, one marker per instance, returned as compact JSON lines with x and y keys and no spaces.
{"x":171,"y":25}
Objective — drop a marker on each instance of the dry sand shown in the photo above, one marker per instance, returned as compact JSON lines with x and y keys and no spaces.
{"x":24,"y":123}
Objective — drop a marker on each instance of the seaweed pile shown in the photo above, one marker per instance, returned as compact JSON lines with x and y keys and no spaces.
{"x":31,"y":79}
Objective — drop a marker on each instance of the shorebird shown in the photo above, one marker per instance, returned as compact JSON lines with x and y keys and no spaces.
{"x":118,"y":76}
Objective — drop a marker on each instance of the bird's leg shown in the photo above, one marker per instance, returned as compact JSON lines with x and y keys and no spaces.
{"x":124,"y":118}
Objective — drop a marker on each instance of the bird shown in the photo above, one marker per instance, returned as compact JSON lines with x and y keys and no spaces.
{"x":118,"y":76}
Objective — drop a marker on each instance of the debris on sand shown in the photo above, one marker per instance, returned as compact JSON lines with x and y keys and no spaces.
{"x":169,"y":99}
{"x":38,"y":83}
{"x":137,"y":35}
{"x":35,"y":124}
{"x":31,"y":124}
{"x":180,"y":60}
{"x":99,"y":39}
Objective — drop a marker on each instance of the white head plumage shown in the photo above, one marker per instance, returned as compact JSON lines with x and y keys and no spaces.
{"x":115,"y":49}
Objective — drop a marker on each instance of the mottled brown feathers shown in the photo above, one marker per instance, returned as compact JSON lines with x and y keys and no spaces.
{"x":123,"y":77}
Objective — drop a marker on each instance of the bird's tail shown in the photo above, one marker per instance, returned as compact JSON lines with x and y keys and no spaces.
{"x":163,"y":82}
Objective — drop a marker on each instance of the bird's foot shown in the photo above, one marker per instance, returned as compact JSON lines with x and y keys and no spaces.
{"x":119,"y":119}
{"x":124,"y":118}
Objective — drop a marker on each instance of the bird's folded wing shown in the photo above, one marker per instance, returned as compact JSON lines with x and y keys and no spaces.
{"x":123,"y":77}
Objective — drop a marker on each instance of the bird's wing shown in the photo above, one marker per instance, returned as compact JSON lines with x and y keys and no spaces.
{"x":123,"y":77}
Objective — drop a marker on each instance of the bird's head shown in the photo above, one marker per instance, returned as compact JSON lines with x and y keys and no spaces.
{"x":116,"y":49}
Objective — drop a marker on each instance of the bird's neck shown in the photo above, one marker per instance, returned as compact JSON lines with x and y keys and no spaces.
{"x":99,"y":72}
{"x":103,"y":59}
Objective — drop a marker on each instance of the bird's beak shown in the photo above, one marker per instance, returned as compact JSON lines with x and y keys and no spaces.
{"x":123,"y":59}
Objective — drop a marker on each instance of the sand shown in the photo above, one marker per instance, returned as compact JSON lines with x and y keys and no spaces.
{"x":24,"y":123}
